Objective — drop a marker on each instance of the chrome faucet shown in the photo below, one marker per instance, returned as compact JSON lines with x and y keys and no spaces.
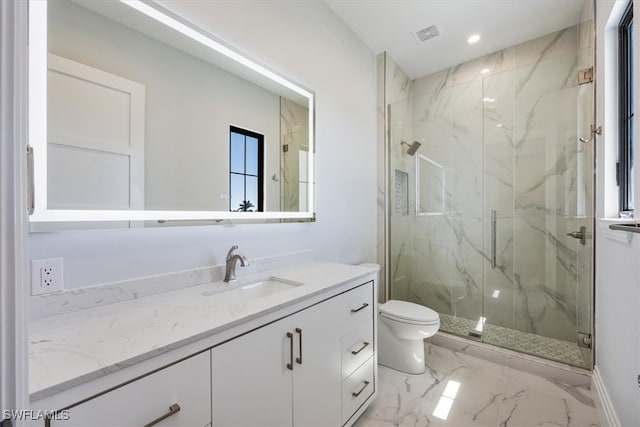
{"x":232,"y":260}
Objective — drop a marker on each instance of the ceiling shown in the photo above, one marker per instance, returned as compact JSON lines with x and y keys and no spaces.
{"x":390,"y":25}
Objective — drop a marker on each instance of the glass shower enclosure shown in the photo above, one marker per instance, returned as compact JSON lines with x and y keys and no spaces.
{"x":491,"y":219}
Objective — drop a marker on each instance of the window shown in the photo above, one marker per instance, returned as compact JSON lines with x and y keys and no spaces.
{"x":625,"y":111}
{"x":246,"y":162}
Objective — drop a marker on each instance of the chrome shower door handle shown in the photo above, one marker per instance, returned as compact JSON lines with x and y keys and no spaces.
{"x":494,"y":229}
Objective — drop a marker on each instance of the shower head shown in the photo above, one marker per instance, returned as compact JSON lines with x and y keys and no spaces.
{"x":413,"y":147}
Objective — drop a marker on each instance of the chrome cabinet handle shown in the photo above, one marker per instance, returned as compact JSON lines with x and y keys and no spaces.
{"x":173,"y":409}
{"x":356,"y":394}
{"x":299,"y":359}
{"x":290,"y":364}
{"x":354,"y":352}
{"x":355,"y":310}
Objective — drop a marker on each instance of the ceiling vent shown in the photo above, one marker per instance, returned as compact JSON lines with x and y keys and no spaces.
{"x":427,"y":33}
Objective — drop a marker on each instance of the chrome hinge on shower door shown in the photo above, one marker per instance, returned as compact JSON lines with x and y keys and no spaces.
{"x":585,"y":76}
{"x":584,"y":340}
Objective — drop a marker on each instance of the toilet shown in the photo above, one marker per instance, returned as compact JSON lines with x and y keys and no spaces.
{"x":402,"y":327}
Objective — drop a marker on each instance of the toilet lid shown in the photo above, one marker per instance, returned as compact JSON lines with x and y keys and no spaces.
{"x":403,"y":310}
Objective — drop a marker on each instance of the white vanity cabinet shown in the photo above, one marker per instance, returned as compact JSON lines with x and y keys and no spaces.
{"x":180,"y":391}
{"x":357,"y":349}
{"x":290,"y":372}
{"x":307,"y":361}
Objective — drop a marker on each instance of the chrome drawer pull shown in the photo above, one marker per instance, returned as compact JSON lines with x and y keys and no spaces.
{"x":355,"y":310}
{"x":354,"y":352}
{"x":290,"y":364}
{"x":173,"y":409}
{"x":354,"y":394}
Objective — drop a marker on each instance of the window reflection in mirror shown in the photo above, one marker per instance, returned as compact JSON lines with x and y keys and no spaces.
{"x":246,"y":170}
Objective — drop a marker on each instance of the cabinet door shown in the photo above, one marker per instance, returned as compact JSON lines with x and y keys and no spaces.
{"x":317,"y":379}
{"x":251,"y":384}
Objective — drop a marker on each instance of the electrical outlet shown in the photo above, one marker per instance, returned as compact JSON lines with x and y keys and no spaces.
{"x":46,"y":276}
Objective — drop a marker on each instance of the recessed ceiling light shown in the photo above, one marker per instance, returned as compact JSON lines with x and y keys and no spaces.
{"x":485,"y":71}
{"x":473,"y":38}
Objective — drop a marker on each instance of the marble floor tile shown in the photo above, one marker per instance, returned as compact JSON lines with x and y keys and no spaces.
{"x":479,"y":392}
{"x":534,"y":400}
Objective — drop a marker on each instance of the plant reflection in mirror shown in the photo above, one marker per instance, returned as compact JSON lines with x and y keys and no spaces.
{"x":245,"y":206}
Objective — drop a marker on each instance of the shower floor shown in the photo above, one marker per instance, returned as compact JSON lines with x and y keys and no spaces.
{"x":537,"y":345}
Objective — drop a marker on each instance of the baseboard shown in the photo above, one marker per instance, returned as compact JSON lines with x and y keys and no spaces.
{"x":606,"y":411}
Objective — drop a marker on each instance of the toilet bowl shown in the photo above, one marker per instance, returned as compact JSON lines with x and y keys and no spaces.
{"x":402,"y":327}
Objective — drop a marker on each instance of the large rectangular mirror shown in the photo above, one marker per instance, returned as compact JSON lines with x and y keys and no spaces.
{"x":138,"y":115}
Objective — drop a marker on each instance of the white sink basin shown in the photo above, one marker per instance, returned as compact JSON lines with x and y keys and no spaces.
{"x":266,"y":287}
{"x":254,"y":289}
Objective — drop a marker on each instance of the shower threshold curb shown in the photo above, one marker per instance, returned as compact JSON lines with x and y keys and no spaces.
{"x":552,"y":370}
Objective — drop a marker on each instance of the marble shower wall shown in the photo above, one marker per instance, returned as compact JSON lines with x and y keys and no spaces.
{"x":503,"y":130}
{"x":294,"y":134}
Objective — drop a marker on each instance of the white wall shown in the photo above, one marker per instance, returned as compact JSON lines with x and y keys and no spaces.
{"x":617,"y":321}
{"x":617,"y":300}
{"x":308,"y":43}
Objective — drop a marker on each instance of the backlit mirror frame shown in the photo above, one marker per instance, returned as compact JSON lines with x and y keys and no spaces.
{"x":38,"y":125}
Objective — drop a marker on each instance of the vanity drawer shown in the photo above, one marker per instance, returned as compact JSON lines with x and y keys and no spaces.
{"x":357,"y":347}
{"x":356,"y":389}
{"x":356,"y":306}
{"x":187,"y":384}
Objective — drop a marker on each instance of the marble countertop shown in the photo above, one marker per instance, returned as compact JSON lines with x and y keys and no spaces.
{"x":69,"y":349}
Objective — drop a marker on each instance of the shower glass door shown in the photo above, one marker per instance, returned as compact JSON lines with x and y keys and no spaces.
{"x":485,"y":218}
{"x":538,"y":180}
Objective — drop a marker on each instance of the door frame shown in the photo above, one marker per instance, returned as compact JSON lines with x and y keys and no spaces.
{"x":13,"y":208}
